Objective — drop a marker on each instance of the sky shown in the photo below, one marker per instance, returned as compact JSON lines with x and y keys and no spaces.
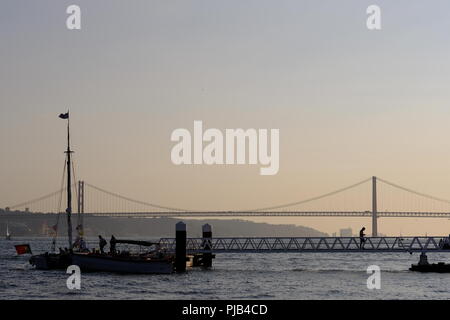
{"x":350,"y":103}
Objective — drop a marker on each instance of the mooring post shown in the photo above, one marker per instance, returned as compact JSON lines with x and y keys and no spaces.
{"x":207,"y":245}
{"x":180,"y":247}
{"x":374,"y":207}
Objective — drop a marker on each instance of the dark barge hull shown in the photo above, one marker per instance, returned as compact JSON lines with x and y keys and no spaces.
{"x":51,"y":261}
{"x":435,"y":267}
{"x":92,"y":262}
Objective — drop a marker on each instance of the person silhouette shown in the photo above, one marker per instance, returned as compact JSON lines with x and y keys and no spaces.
{"x":102,"y":244}
{"x":112,"y":245}
{"x":362,"y":239}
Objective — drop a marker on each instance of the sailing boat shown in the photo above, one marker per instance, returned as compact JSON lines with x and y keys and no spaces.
{"x":154,"y":261}
{"x":62,"y":259}
{"x":8,"y":235}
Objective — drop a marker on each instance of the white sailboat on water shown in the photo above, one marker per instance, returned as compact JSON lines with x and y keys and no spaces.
{"x":8,"y":235}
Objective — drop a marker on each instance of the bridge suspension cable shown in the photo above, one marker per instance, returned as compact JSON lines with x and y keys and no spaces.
{"x":148,"y":204}
{"x":281,"y":206}
{"x":135,"y":201}
{"x":414,"y":192}
{"x":253,"y":210}
{"x":311,"y":199}
{"x":39,"y":199}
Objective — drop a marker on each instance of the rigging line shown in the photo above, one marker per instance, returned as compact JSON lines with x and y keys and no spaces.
{"x":62,"y":188}
{"x":75,"y":181}
{"x":76,"y":193}
{"x":135,"y":201}
{"x":55,"y":227}
{"x":311,"y":199}
{"x":414,"y":192}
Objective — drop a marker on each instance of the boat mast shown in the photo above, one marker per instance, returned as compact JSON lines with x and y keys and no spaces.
{"x":69,"y":185}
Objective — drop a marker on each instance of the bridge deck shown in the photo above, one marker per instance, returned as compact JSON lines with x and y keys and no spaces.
{"x":159,"y":214}
{"x":310,"y":244}
{"x":380,"y":214}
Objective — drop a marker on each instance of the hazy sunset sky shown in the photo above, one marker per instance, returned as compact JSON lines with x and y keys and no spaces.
{"x":350,"y":103}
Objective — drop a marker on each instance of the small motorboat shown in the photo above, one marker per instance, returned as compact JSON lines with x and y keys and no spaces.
{"x":439,"y":267}
{"x":425,"y":266}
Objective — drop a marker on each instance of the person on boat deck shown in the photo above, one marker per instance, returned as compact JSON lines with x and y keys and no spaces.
{"x":362,"y":240}
{"x":102,"y":244}
{"x":80,"y":244}
{"x":112,"y":245}
{"x":83,"y":246}
{"x":76,"y":244}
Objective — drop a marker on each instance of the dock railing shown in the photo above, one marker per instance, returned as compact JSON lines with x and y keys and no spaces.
{"x":313,"y":244}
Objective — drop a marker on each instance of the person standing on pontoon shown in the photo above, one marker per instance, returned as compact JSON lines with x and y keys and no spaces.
{"x":362,"y":239}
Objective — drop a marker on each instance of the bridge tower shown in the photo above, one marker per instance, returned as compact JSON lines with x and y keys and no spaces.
{"x":374,"y":207}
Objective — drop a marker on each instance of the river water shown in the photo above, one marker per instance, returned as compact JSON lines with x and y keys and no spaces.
{"x":233,"y":276}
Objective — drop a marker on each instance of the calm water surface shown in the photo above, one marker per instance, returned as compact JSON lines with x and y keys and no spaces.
{"x":247,"y":276}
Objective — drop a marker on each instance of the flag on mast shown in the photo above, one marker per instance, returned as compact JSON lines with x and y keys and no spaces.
{"x":64,"y":115}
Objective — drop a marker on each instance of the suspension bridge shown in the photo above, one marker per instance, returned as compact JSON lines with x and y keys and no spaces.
{"x":95,"y":201}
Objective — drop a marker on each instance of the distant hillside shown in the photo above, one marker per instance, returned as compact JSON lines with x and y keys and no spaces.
{"x":40,"y":224}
